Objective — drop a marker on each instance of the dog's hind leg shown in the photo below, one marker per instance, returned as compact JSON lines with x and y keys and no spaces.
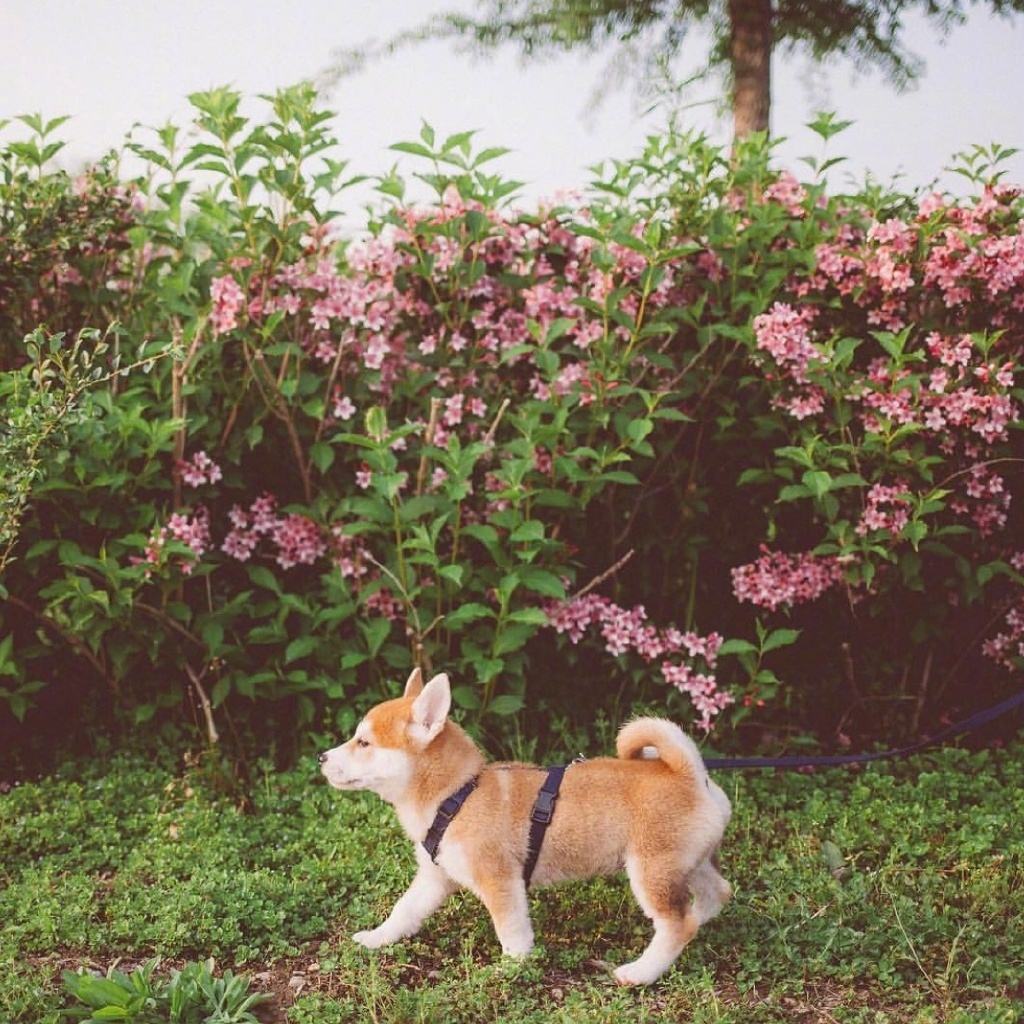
{"x":708,"y":890}
{"x":505,"y":900}
{"x":428,"y":890}
{"x":659,"y":884}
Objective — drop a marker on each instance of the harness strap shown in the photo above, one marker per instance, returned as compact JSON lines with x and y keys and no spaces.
{"x":540,"y":817}
{"x":450,"y":806}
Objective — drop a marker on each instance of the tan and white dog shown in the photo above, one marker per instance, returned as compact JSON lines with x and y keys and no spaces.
{"x":652,"y":810}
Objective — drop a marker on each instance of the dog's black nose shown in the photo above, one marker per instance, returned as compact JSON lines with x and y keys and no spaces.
{"x":322,"y":758}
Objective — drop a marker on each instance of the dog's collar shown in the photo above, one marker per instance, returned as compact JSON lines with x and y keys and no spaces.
{"x":450,"y":806}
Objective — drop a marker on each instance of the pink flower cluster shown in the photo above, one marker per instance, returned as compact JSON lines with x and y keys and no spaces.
{"x":190,"y":528}
{"x":626,"y":630}
{"x":776,"y":578}
{"x":888,"y":508}
{"x":383,"y":602}
{"x":784,"y":333}
{"x":378,"y":319}
{"x":948,"y":280}
{"x":985,"y":499}
{"x":1007,"y":647}
{"x":296,"y":538}
{"x":299,"y":541}
{"x":199,"y":470}
{"x":228,"y":299}
{"x":788,"y":193}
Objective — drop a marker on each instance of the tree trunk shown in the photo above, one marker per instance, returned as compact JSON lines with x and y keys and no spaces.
{"x":750,"y":54}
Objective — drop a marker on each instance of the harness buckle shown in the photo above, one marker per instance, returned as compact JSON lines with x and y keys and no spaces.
{"x":544,"y":807}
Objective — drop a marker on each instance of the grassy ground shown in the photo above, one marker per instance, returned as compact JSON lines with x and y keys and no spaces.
{"x":886,"y":894}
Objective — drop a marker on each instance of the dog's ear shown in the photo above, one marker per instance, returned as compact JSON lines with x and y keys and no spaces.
{"x":430,"y":709}
{"x":414,"y":684}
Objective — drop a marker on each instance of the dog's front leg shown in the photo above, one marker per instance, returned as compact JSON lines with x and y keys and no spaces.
{"x":429,"y":889}
{"x":505,"y":900}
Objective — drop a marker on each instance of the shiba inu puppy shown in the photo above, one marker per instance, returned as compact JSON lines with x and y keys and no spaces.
{"x":651,"y":810}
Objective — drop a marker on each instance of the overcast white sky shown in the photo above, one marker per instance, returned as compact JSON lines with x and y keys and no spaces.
{"x":110,"y":64}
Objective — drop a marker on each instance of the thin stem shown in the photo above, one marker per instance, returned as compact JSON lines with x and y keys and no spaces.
{"x":598,"y":580}
{"x":204,"y":702}
{"x":428,"y":440}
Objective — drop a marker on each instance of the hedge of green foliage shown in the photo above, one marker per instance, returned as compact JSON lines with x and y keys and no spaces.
{"x":703,"y":436}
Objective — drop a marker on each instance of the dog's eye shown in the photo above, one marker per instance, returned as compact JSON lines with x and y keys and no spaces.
{"x":362,"y":743}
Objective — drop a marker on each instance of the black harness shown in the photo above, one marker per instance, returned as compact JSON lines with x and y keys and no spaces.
{"x":450,"y":806}
{"x":540,"y":817}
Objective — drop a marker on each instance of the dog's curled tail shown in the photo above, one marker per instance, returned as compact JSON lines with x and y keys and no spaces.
{"x":659,"y":738}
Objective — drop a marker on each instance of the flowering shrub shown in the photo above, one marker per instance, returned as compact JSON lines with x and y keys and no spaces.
{"x":64,"y":240}
{"x":505,"y":442}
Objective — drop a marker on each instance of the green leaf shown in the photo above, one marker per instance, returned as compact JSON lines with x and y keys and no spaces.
{"x":467,"y":613}
{"x":322,"y":455}
{"x":531,"y":530}
{"x":736,"y":646}
{"x":817,"y":481}
{"x":213,"y":636}
{"x":263,"y":577}
{"x":513,"y":638}
{"x":300,"y":647}
{"x":452,"y":573}
{"x":467,"y":697}
{"x":8,"y":667}
{"x":112,"y":1013}
{"x":793,"y":492}
{"x":915,"y":532}
{"x":541,"y":581}
{"x":637,"y":430}
{"x":620,"y":476}
{"x":375,"y":632}
{"x":533,"y":616}
{"x":779,"y":638}
{"x":506,"y":704}
{"x":415,"y":148}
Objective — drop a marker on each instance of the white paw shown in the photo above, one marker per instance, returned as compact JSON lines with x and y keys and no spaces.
{"x":518,"y":951}
{"x":635,"y":973}
{"x":373,"y":939}
{"x":518,"y":946}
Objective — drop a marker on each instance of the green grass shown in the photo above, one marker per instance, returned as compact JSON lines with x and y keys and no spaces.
{"x":922,"y":922}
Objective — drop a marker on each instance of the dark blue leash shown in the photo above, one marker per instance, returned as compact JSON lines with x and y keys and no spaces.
{"x":975,"y":721}
{"x":544,"y":806}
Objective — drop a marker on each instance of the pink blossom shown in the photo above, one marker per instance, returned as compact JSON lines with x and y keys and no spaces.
{"x":240,"y":544}
{"x":887,"y":509}
{"x":192,"y":530}
{"x":383,"y":602}
{"x":199,"y":470}
{"x":783,"y":332}
{"x":228,"y":298}
{"x":344,"y":408}
{"x":299,"y":541}
{"x":777,"y":578}
{"x":625,"y":630}
{"x":453,"y":409}
{"x":789,"y":193}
